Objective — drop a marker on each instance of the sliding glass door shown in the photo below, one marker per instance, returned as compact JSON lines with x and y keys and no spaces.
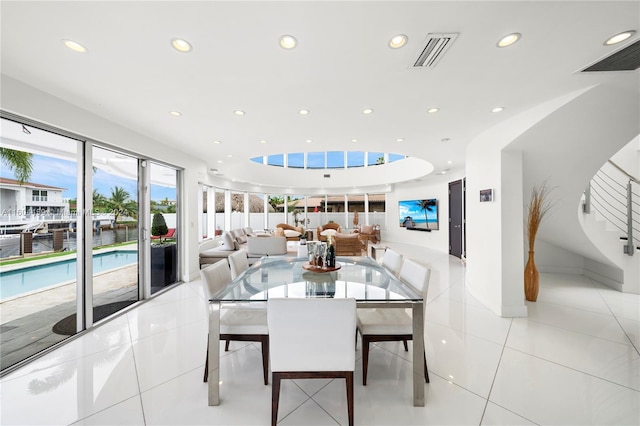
{"x":114,"y":231}
{"x":38,"y":240}
{"x":81,"y":227}
{"x":164,"y":226}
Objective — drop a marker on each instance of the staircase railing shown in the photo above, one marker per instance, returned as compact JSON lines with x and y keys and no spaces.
{"x":615,"y":196}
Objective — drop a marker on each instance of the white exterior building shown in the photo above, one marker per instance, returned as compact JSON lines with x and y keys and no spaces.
{"x":24,"y":200}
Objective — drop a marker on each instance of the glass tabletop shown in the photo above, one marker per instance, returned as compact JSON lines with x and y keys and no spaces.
{"x":359,"y":277}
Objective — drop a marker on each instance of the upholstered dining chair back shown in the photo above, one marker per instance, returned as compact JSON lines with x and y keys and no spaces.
{"x":417,"y":276}
{"x":311,"y":338}
{"x":239,"y":324}
{"x":312,"y":334}
{"x":392,"y":261}
{"x":215,"y":278}
{"x":238,"y":262}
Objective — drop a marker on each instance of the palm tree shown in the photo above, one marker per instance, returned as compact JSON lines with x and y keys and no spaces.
{"x":99,"y":200}
{"x":120,"y":204}
{"x":19,"y":161}
{"x":427,"y":206}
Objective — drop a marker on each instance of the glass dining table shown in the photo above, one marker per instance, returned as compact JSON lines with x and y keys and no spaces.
{"x":361,"y":278}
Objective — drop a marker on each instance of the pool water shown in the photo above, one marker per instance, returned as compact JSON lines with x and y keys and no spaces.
{"x":25,"y":280}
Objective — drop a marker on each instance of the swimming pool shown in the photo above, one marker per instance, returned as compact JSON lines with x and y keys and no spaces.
{"x":25,"y":280}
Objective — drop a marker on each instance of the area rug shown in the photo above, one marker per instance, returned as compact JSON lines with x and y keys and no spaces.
{"x":67,"y":325}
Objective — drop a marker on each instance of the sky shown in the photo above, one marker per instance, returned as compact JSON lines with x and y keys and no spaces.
{"x":335,"y":159}
{"x":62,"y":174}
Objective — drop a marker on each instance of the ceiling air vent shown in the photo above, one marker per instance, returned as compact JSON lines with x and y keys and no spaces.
{"x":327,"y":175}
{"x":627,"y":59}
{"x":434,"y":48}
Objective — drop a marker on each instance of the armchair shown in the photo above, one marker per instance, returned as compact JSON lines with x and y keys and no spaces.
{"x":349,"y":244}
{"x":291,"y":232}
{"x":327,"y":228}
{"x":370,"y":232}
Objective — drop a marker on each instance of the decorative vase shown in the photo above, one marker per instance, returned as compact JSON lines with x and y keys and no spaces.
{"x":531,"y":279}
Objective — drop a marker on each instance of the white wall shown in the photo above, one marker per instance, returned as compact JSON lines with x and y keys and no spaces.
{"x":484,"y":228}
{"x":433,"y":187}
{"x":551,"y":258}
{"x":34,"y":104}
{"x":495,"y":230}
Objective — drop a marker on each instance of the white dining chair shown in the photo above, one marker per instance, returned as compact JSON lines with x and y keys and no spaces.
{"x":392,"y":261}
{"x":311,"y":339}
{"x":384,"y":325}
{"x":238,"y":262}
{"x":247,"y":325}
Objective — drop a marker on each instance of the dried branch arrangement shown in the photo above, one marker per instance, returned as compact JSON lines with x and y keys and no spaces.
{"x":538,"y":207}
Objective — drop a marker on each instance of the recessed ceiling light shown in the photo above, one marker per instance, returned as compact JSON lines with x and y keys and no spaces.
{"x":445,"y":139}
{"x":217,"y":142}
{"x":219,"y":161}
{"x":399,"y":140}
{"x":303,"y":112}
{"x":618,"y":38}
{"x":497,"y":109}
{"x":181,"y":45}
{"x":398,"y":41}
{"x":354,"y":140}
{"x":229,"y":155}
{"x":263,"y":141}
{"x":238,"y":112}
{"x":288,"y":42}
{"x":433,"y":110}
{"x":175,"y":113}
{"x":367,"y":110}
{"x":509,"y":39}
{"x":75,"y":46}
{"x":309,"y":141}
{"x":449,"y":162}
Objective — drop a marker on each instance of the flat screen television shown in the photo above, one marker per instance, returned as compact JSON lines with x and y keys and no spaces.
{"x":420,"y":215}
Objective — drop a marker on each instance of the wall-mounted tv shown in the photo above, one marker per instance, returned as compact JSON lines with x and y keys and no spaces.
{"x":419,"y":215}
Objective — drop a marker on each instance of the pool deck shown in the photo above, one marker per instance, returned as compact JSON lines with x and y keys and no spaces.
{"x":26,"y":322}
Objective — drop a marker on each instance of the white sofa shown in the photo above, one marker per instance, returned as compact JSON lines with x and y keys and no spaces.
{"x":241,"y":239}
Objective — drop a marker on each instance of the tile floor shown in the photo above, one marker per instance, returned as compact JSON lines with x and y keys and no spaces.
{"x":574,"y":360}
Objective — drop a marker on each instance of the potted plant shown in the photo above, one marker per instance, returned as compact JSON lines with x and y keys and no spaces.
{"x":303,"y":238}
{"x":163,"y":254}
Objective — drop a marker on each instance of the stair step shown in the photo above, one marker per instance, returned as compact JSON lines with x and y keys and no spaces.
{"x":627,"y":239}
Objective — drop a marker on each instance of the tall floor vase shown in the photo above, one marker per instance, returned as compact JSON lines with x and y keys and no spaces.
{"x":531,"y":279}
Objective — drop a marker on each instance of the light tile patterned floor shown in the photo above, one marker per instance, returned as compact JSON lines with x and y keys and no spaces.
{"x":574,"y":360}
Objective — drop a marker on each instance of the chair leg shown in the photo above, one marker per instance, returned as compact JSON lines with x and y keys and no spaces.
{"x":265,"y":359}
{"x":426,"y":372}
{"x":206,"y":363}
{"x":406,"y":348}
{"x":226,"y":346}
{"x":365,"y":360}
{"x":275,"y":398}
{"x":350,"y":396}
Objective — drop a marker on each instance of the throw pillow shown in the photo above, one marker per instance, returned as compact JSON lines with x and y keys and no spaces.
{"x":346,"y":236}
{"x":367,"y":229}
{"x":290,"y":233}
{"x":242,"y":239}
{"x":227,"y":241}
{"x":328,"y":232}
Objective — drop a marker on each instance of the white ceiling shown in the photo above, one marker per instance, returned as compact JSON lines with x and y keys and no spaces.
{"x":132,"y":76}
